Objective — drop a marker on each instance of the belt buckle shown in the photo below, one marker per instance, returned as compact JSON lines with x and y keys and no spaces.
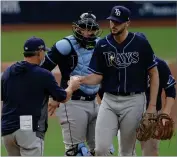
{"x":82,"y":98}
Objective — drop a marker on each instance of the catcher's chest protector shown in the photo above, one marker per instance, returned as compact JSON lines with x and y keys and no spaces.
{"x":79,"y":60}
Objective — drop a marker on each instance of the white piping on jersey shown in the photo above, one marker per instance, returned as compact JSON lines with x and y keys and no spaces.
{"x":50,"y":59}
{"x":152,"y":65}
{"x":116,"y":52}
{"x":125,"y":84}
{"x":94,"y":71}
{"x":170,"y":85}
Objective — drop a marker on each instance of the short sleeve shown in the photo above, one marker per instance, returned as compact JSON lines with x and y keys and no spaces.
{"x":166,"y":77}
{"x":150,"y":58}
{"x":96,"y":65}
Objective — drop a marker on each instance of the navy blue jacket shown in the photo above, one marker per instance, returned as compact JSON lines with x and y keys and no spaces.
{"x":25,"y":90}
{"x":166,"y":82}
{"x":124,"y":66}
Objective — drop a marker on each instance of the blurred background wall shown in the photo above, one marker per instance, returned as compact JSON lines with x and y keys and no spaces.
{"x":66,"y":11}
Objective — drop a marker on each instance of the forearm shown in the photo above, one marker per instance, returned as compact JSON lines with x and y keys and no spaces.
{"x":154,"y":87}
{"x":168,"y":105}
{"x":69,"y":93}
{"x":92,"y":79}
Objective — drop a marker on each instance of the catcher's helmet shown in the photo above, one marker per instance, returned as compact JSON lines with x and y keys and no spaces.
{"x":87,"y":22}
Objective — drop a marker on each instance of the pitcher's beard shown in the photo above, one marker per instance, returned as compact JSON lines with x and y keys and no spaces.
{"x":118,"y":33}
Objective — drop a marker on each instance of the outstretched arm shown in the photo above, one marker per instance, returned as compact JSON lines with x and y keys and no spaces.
{"x":92,"y":79}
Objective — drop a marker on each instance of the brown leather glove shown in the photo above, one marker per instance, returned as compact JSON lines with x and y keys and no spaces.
{"x":164,"y":132}
{"x":146,"y":127}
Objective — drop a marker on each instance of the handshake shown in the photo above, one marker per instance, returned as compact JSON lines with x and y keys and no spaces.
{"x":75,"y":81}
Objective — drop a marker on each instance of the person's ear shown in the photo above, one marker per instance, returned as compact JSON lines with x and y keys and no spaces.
{"x":38,"y":53}
{"x":127,"y":23}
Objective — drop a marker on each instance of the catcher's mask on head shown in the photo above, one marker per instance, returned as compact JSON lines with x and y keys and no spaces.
{"x":86,"y":30}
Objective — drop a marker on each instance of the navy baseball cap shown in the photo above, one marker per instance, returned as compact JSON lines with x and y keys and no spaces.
{"x":35,"y":44}
{"x":119,"y":14}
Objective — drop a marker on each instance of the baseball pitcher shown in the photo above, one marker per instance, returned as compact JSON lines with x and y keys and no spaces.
{"x":121,"y":62}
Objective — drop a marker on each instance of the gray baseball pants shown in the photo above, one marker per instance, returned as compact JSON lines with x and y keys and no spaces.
{"x":23,"y":143}
{"x":78,"y":120}
{"x":121,"y":113}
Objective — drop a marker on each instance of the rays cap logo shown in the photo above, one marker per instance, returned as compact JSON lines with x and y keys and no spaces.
{"x":35,"y":44}
{"x":119,"y":14}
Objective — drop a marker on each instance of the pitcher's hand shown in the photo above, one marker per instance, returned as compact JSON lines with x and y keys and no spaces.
{"x":74,"y":82}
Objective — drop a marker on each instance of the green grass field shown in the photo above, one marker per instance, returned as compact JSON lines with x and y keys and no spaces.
{"x":163,"y":41}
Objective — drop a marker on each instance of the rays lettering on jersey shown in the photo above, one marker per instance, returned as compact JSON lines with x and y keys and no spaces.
{"x":121,"y":60}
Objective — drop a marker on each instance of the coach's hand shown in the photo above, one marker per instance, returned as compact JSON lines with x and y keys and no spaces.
{"x":52,"y":106}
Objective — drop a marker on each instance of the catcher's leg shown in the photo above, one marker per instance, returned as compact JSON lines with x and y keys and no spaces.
{"x":132,"y":108}
{"x":90,"y":138}
{"x":106,"y":129}
{"x":73,"y":120}
{"x":150,"y":147}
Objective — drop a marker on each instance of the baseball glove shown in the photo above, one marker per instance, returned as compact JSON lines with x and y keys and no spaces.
{"x":146,"y":127}
{"x":164,"y":132}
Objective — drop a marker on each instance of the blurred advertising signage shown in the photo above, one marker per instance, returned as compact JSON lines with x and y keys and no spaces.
{"x":10,"y":7}
{"x":163,"y":9}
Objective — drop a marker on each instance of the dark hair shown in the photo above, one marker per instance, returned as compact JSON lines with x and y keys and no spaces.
{"x":29,"y":53}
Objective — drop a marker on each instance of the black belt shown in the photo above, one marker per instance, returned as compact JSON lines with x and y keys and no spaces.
{"x":83,"y":98}
{"x":124,"y":94}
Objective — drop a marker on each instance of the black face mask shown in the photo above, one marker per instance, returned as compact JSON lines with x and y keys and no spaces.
{"x":89,"y":24}
{"x":85,"y":42}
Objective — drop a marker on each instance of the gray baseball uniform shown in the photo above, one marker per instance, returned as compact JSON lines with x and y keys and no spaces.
{"x":119,"y":113}
{"x":124,"y":67}
{"x":78,"y":120}
{"x":77,"y":116}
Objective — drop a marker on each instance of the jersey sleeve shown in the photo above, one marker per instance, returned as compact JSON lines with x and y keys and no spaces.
{"x":167,"y":78}
{"x":96,"y":65}
{"x":150,"y":58}
{"x":56,"y":92}
{"x":55,"y":56}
